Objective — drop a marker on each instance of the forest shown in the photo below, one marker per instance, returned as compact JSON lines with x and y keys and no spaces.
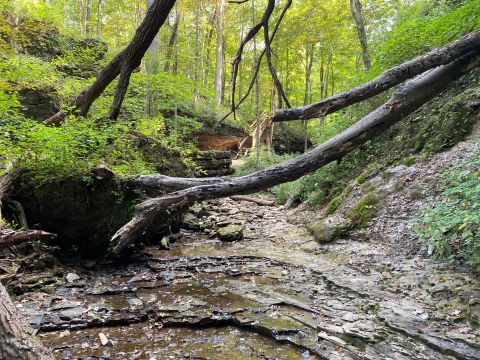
{"x":239,"y":179}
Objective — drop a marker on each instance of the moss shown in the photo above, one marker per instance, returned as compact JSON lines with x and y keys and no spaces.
{"x":399,"y":185}
{"x":333,"y":204}
{"x":409,"y":161}
{"x":364,"y":210}
{"x":361,"y":179}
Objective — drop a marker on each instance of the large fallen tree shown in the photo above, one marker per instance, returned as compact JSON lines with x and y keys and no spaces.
{"x":406,"y":99}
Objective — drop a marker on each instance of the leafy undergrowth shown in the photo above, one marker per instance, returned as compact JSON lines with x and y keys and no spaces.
{"x":451,"y":228}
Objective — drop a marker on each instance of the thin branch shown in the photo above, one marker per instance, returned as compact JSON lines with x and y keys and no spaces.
{"x":257,"y":67}
{"x":250,"y":35}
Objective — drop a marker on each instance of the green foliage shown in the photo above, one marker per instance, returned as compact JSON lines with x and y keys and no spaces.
{"x":265,"y":160}
{"x":71,"y":150}
{"x":427,"y":25}
{"x":409,"y":161}
{"x":24,"y":71}
{"x":337,"y":200}
{"x":451,"y":228}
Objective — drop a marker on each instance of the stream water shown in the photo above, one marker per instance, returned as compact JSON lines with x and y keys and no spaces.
{"x":273,"y":295}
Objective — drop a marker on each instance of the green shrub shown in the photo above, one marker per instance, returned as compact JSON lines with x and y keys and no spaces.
{"x":451,"y":228}
{"x":425,"y":26}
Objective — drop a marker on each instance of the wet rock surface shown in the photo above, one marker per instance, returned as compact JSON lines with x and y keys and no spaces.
{"x":277,"y":294}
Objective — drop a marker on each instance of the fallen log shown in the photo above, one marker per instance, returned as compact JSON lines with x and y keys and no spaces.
{"x":10,"y":238}
{"x":255,"y":200}
{"x":157,"y":183}
{"x":407,"y":98}
{"x":385,"y":81}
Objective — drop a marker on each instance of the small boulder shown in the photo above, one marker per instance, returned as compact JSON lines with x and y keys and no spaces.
{"x":230,"y":233}
{"x":191,"y":222}
{"x":71,"y":277}
{"x":330,"y":228}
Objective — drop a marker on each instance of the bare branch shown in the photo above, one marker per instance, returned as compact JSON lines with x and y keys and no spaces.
{"x":250,"y":35}
{"x":257,"y":67}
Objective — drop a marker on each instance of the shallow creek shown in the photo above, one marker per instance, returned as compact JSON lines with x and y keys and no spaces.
{"x":274,"y":295}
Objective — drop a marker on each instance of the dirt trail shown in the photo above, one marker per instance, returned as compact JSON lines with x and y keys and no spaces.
{"x":277,"y":294}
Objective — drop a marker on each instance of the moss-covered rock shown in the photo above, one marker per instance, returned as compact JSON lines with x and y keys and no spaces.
{"x":190,"y":222}
{"x":230,"y":233}
{"x":330,"y":228}
{"x":38,"y":104}
{"x":363,"y":211}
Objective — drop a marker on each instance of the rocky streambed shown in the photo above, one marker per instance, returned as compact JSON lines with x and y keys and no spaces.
{"x":276,"y":294}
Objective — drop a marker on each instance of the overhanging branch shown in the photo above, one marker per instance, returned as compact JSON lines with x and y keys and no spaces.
{"x":385,"y":81}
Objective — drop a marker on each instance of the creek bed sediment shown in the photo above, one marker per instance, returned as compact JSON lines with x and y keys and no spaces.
{"x":276,"y":294}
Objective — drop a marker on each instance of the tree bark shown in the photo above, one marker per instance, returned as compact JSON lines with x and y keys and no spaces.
{"x":124,"y":62}
{"x":172,"y":43}
{"x":384,"y":81}
{"x":16,"y":339}
{"x":88,"y":15}
{"x":408,"y":98}
{"x":357,"y":14}
{"x":99,"y":18}
{"x":219,"y":51}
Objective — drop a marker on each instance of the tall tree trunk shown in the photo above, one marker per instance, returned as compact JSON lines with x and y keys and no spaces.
{"x":308,"y":71}
{"x":212,"y":24}
{"x":99,"y":18}
{"x":257,"y":96}
{"x":357,"y":14}
{"x":240,"y":69}
{"x":172,"y":42}
{"x":219,"y":51}
{"x":151,"y":67}
{"x":88,"y":15}
{"x":224,"y":70}
{"x":322,"y":76}
{"x":197,"y":49}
